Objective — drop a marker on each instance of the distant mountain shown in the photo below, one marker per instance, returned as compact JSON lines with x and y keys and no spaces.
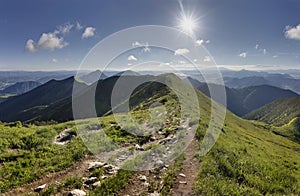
{"x":278,"y":113}
{"x":93,"y":77}
{"x":53,"y":100}
{"x":24,"y":107}
{"x":244,"y":100}
{"x":247,"y":73}
{"x":279,"y":80}
{"x":127,"y":73}
{"x":39,"y":76}
{"x":20,"y":87}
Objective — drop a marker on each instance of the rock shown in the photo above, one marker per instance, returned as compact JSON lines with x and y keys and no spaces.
{"x":77,"y":192}
{"x":182,"y":175}
{"x":91,"y":180}
{"x":182,"y":182}
{"x":152,"y":138}
{"x":103,"y":177}
{"x":63,"y":137}
{"x":159,"y":164}
{"x":39,"y":188}
{"x":154,"y":194}
{"x":143,"y":178}
{"x":138,"y":147}
{"x":95,"y":165}
{"x":96,"y":184}
{"x":146,"y":184}
{"x":108,"y":167}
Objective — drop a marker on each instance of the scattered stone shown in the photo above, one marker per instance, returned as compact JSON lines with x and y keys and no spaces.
{"x":108,"y":166}
{"x":146,"y":184}
{"x":154,"y":194}
{"x":159,"y":164}
{"x":77,"y":192}
{"x":95,"y":165}
{"x":96,"y":184}
{"x":123,"y":157}
{"x":91,"y":180}
{"x":143,"y":178}
{"x":152,"y":138}
{"x":138,"y":147}
{"x":63,"y":137}
{"x":182,"y":182}
{"x":182,"y":175}
{"x":39,"y":188}
{"x":103,"y":177}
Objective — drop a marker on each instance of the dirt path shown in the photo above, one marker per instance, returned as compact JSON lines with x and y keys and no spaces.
{"x":190,"y":169}
{"x":78,"y":169}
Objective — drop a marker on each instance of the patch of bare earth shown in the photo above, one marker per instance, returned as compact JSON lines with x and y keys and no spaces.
{"x":80,"y":168}
{"x":183,"y":186}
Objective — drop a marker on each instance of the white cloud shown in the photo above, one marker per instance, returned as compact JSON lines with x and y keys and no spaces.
{"x":182,"y":62}
{"x":54,"y":61}
{"x":207,"y":41}
{"x":146,"y":49}
{"x":50,"y":41}
{"x":207,"y":59}
{"x":275,"y":56}
{"x":136,"y":44}
{"x":88,"y":32}
{"x":30,"y":46}
{"x":195,"y":60}
{"x":145,"y":46}
{"x":292,"y":32}
{"x":256,"y":46}
{"x":78,"y":26}
{"x":131,"y":58}
{"x":64,"y":29}
{"x":47,"y":41}
{"x":181,"y":51}
{"x":199,"y":42}
{"x":243,"y":54}
{"x":264,"y":51}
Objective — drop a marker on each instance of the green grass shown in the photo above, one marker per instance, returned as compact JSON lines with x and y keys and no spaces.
{"x":27,"y":153}
{"x":169,"y":177}
{"x":249,"y":159}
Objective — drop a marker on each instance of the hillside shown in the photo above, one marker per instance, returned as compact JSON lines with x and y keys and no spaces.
{"x":241,"y":101}
{"x":278,"y":113}
{"x":25,"y":106}
{"x":247,"y":159}
{"x":20,"y":87}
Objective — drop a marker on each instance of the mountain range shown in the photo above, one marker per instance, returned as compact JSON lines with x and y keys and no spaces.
{"x":241,"y":101}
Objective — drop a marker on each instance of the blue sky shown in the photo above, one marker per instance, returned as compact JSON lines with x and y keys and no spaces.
{"x":260,"y":34}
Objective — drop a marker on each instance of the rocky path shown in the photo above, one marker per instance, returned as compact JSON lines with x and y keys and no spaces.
{"x":80,"y":168}
{"x":187,"y":175}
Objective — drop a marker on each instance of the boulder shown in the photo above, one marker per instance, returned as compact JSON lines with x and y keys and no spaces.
{"x":77,"y":192}
{"x":95,"y":165}
{"x":39,"y":188}
{"x":143,"y":178}
{"x":91,"y":180}
{"x":159,"y":164}
{"x":96,"y":184}
{"x":182,"y":175}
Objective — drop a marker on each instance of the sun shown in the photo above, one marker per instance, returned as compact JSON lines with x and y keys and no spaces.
{"x":188,"y":24}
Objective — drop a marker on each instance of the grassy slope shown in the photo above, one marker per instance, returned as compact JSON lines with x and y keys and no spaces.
{"x":277,"y":113}
{"x":248,"y":157}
